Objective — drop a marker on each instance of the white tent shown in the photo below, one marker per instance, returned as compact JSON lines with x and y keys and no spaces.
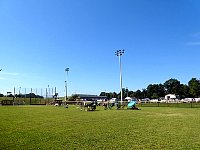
{"x":128,"y":98}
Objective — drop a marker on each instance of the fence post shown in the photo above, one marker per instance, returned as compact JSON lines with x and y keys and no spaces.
{"x":14,"y":97}
{"x":30,"y":96}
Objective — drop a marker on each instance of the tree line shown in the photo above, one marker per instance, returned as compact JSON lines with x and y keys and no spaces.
{"x":32,"y":95}
{"x":155,"y":91}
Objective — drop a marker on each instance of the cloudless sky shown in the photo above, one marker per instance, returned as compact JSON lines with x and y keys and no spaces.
{"x":40,"y":38}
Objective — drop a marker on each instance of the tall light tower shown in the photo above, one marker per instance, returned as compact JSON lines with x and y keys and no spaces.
{"x":19,"y":91}
{"x":66,"y":75}
{"x":119,"y":54}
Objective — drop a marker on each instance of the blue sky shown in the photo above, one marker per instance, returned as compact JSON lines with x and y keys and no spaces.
{"x":40,"y":38}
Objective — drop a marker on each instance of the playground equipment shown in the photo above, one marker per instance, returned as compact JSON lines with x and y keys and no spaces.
{"x":111,"y":104}
{"x":89,"y":105}
{"x":57,"y":102}
{"x":108,"y":104}
{"x":132,"y":105}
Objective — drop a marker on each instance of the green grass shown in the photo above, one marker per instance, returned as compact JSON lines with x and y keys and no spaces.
{"x":50,"y":127}
{"x":180,"y":105}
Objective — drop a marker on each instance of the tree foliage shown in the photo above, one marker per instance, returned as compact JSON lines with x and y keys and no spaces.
{"x":172,"y":86}
{"x":155,"y":91}
{"x":194,"y":87}
{"x":73,"y":97}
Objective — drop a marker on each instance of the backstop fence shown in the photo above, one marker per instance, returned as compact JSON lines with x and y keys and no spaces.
{"x":29,"y":96}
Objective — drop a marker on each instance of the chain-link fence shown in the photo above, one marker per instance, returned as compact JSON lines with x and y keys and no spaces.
{"x":29,"y":96}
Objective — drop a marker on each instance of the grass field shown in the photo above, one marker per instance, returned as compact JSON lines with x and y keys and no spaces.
{"x":50,"y":127}
{"x":180,"y":105}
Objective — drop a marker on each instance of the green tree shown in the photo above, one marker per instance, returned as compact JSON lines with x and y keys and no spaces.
{"x":102,"y":94}
{"x":184,"y":91}
{"x":131,"y":94}
{"x":109,"y":95}
{"x":155,"y":91}
{"x":138,"y":94}
{"x":150,"y":90}
{"x":126,"y":92}
{"x":123,"y":93}
{"x":114,"y":95}
{"x":144,"y":93}
{"x":172,"y":86}
{"x":194,"y":87}
{"x":73,"y":97}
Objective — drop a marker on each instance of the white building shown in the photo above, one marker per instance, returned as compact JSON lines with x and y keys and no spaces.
{"x":170,"y":96}
{"x":128,"y":99}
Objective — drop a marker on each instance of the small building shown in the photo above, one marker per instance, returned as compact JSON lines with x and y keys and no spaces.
{"x":88,"y":97}
{"x":128,"y":99}
{"x":113,"y":100}
{"x":170,"y":97}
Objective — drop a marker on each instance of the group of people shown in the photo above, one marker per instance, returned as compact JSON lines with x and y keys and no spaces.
{"x":88,"y":105}
{"x":92,"y":104}
{"x":130,"y":105}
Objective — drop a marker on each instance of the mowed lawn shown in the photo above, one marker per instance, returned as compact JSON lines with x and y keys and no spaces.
{"x":50,"y":127}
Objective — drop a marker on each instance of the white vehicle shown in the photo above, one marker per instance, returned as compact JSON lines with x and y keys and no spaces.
{"x":154,"y":100}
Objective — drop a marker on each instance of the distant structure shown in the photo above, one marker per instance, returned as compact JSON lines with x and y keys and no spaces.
{"x":170,"y":97}
{"x":87,"y":97}
{"x":128,"y":99}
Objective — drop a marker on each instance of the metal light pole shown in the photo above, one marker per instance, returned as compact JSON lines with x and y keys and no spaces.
{"x":66,"y":75}
{"x":119,"y":54}
{"x":49,"y":92}
{"x":19,"y":91}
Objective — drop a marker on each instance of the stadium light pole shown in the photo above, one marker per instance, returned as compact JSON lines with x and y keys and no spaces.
{"x":66,"y":75}
{"x":48,"y":92}
{"x":19,"y":91}
{"x":119,"y":54}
